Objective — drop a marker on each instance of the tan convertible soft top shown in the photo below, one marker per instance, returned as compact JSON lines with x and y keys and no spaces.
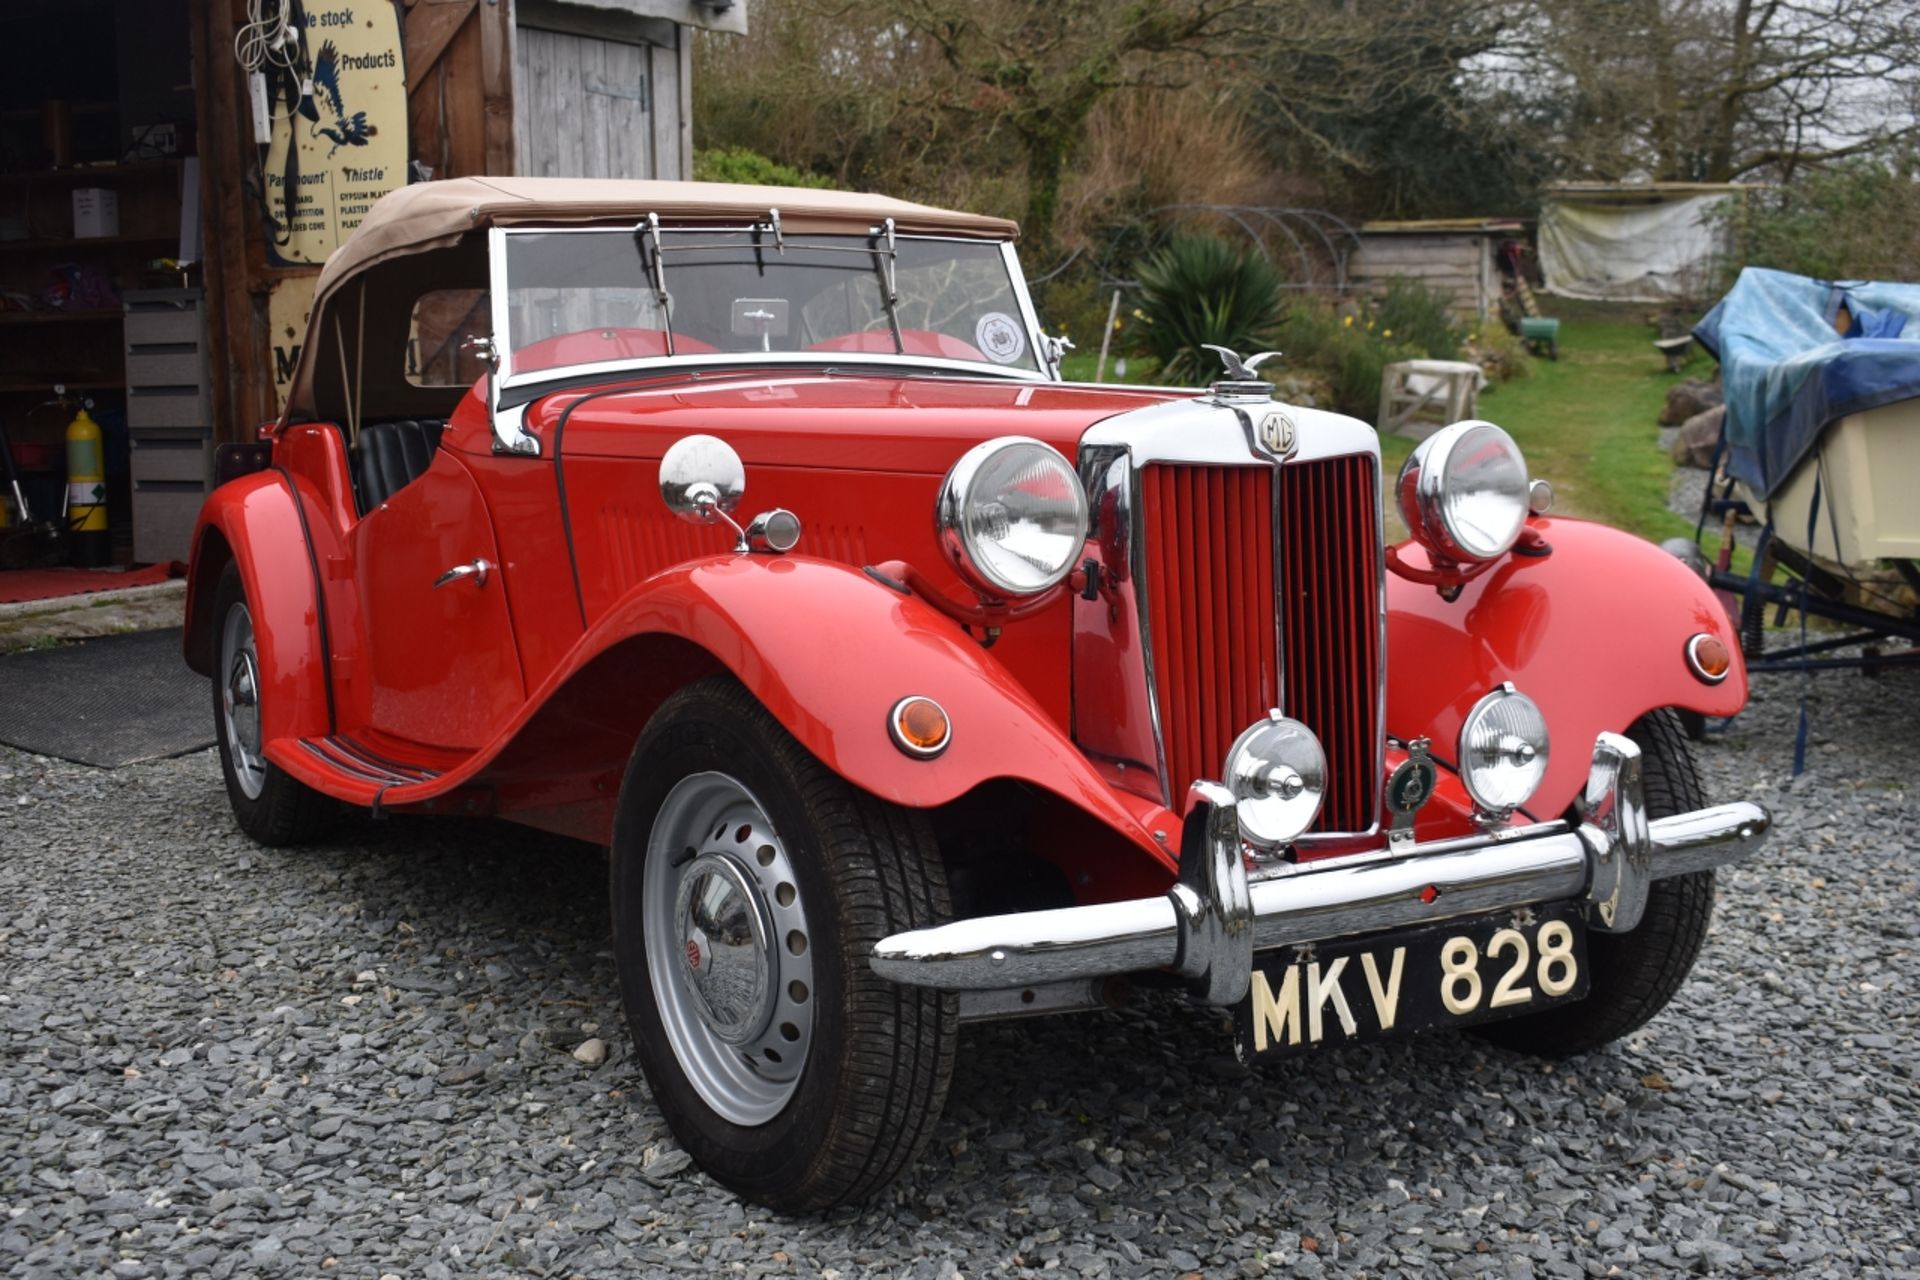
{"x":429,"y":215}
{"x":436,"y":215}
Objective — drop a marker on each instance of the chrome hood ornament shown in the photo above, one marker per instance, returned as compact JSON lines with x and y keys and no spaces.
{"x":1243,"y":378}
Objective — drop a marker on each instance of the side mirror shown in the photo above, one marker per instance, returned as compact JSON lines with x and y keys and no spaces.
{"x":702,"y":479}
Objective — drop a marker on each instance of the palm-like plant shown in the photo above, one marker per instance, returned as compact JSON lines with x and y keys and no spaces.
{"x":1200,"y":290}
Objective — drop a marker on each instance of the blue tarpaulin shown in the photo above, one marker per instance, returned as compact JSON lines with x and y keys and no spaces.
{"x":1788,"y":373}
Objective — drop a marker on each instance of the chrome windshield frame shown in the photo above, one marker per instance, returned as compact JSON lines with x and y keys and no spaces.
{"x":508,"y":393}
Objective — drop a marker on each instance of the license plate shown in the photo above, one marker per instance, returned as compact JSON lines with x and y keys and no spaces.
{"x":1450,"y":975}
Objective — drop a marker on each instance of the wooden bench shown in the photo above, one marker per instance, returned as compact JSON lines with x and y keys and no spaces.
{"x":1675,"y":350}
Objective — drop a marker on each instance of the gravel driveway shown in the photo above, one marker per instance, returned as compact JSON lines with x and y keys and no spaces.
{"x":360,"y":1060}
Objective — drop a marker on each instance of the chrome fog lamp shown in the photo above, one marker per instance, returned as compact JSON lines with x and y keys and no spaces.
{"x":1012,"y":516}
{"x":1503,"y":750}
{"x":1464,"y":492}
{"x":1277,"y":773}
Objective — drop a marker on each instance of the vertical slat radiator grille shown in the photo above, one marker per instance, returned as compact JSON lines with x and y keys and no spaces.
{"x":1208,"y":535}
{"x":1328,"y":541}
{"x":1221,"y":657}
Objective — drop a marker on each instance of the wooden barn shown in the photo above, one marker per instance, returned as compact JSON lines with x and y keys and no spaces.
{"x":1456,"y":256}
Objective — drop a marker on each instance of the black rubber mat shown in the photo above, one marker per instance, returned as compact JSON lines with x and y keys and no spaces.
{"x":109,"y":701}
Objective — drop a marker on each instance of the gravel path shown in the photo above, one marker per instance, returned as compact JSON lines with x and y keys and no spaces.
{"x":360,"y":1060}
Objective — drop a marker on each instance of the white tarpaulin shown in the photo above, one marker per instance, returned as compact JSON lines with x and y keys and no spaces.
{"x":1651,"y":250}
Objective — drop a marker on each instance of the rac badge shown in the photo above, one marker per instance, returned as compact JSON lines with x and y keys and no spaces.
{"x":1276,"y":432}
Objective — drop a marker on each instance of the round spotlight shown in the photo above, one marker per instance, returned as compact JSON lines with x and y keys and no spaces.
{"x":1277,"y":773}
{"x":1503,"y":750}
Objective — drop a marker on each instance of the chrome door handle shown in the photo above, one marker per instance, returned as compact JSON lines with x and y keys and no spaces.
{"x":477,"y":570}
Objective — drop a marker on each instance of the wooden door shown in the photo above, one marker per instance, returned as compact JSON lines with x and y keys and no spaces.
{"x":599,"y":104}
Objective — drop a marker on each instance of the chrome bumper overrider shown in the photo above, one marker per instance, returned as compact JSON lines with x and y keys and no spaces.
{"x":1208,"y":926}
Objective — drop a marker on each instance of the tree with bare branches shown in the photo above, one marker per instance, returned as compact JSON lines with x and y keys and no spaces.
{"x":1041,"y":69}
{"x":1724,"y":90}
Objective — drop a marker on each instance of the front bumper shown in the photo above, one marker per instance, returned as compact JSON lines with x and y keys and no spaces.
{"x":1207,"y":927}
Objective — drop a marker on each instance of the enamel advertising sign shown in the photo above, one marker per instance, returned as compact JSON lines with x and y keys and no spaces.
{"x":341,"y":142}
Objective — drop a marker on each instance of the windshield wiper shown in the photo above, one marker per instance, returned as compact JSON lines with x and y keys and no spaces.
{"x":883,"y":267}
{"x":645,"y":234}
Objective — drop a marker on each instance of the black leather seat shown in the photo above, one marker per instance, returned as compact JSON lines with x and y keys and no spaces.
{"x":393,"y":455}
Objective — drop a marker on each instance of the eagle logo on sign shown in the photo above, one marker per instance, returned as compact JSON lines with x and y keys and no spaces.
{"x":346,"y":130}
{"x":1276,"y":432}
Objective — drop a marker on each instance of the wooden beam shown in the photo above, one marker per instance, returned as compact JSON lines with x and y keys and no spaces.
{"x":234,"y":270}
{"x":496,"y":85}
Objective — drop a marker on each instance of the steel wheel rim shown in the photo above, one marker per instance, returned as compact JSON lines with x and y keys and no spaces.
{"x":240,"y":702}
{"x":729,"y":951}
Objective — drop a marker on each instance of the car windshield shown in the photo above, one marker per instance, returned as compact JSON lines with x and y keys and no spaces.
{"x":589,"y":296}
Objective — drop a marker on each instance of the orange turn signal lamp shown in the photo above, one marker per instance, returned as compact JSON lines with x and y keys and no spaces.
{"x":919,"y":727}
{"x":1709,"y":658}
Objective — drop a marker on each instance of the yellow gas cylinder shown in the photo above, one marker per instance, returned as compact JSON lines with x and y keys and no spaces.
{"x":87,"y":490}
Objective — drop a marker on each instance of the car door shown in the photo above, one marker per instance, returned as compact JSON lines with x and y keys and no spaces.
{"x":443,"y":670}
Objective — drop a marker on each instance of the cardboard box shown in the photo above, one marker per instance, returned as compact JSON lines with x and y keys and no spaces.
{"x":96,"y":212}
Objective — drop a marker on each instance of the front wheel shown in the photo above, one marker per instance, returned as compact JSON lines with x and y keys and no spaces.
{"x":749,"y":885}
{"x":1633,"y":974}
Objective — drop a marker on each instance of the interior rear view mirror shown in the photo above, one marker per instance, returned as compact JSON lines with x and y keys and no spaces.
{"x":762,"y":318}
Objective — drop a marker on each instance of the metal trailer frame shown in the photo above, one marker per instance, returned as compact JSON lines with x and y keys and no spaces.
{"x":1812,"y":593}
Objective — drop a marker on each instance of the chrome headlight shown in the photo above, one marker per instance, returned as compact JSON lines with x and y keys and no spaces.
{"x":1277,"y":773}
{"x":1012,"y":516}
{"x":1464,"y":492}
{"x":1503,"y":750}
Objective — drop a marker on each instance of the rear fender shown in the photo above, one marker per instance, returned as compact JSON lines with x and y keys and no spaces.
{"x":1595,"y":632}
{"x":254,"y":523}
{"x":829,"y":651}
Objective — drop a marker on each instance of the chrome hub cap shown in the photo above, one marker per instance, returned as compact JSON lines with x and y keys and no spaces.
{"x":724,"y":939}
{"x":240,"y":701}
{"x":728,"y":948}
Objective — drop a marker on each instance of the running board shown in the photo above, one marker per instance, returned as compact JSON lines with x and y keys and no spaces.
{"x":342,"y":755}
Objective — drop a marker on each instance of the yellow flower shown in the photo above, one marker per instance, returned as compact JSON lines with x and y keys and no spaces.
{"x":1386,"y":333}
{"x":1116,"y":326}
{"x":1348,"y":321}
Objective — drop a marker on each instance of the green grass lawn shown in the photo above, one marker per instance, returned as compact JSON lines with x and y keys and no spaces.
{"x":1079,"y":366}
{"x":1588,"y":422}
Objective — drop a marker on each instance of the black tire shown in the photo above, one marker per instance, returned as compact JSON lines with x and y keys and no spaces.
{"x":1633,"y":974}
{"x":881,"y":1055}
{"x":286,"y":811}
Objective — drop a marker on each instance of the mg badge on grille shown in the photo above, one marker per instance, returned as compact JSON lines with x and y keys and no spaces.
{"x":1276,"y":432}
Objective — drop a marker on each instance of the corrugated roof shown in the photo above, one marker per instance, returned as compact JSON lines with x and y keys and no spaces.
{"x":1629,"y":190}
{"x":1443,"y":226}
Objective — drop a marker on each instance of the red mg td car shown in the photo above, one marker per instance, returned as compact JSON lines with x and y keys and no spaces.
{"x":1013,"y":692}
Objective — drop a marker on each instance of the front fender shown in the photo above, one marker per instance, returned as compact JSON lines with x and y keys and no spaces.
{"x":830,"y":651}
{"x":1594,"y":632}
{"x":254,"y":523}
